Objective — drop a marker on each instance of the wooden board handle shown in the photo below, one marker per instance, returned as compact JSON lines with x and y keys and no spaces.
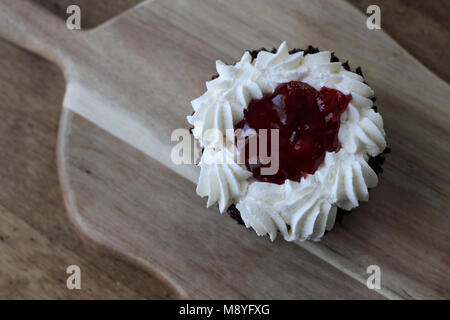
{"x":34,"y":28}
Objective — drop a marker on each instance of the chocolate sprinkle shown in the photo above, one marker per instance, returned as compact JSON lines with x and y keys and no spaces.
{"x":234,"y":213}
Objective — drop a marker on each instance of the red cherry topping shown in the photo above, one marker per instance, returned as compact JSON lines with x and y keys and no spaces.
{"x":308,"y":121}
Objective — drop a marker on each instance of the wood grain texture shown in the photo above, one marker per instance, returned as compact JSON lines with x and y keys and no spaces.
{"x":438,"y":286}
{"x":169,"y":40}
{"x":37,"y":240}
{"x":93,"y":12}
{"x":219,"y":260}
{"x":421,"y":27}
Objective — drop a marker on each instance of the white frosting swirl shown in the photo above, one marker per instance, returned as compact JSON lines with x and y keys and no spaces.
{"x":298,"y":210}
{"x":221,"y":179}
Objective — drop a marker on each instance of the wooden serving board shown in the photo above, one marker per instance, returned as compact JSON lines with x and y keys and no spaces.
{"x":129,"y":83}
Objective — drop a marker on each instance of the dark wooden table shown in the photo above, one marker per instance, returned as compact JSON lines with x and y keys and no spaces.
{"x":37,"y":241}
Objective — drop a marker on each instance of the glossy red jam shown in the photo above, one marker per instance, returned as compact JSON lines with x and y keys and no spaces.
{"x":308,"y":122}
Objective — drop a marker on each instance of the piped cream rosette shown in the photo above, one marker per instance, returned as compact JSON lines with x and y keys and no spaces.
{"x":298,"y":210}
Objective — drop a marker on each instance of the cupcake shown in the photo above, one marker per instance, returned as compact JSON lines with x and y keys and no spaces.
{"x":291,"y":141}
